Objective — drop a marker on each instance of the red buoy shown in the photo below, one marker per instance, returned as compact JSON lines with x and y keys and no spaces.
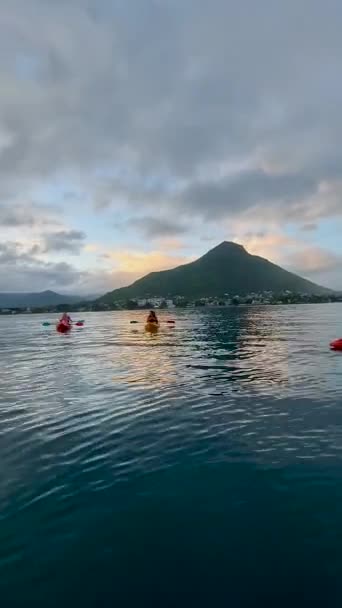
{"x":336,"y":344}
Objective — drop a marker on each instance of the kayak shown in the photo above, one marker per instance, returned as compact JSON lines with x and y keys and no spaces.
{"x":63,"y":327}
{"x":336,"y":344}
{"x":152,"y":327}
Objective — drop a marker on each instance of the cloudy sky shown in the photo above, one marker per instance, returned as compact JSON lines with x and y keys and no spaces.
{"x":137,"y":134}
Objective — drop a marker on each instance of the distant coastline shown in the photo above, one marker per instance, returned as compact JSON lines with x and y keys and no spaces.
{"x":263,"y":299}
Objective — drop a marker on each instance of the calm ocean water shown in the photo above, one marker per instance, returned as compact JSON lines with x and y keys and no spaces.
{"x":198,"y":467}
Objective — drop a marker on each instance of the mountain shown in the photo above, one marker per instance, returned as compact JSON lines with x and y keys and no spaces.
{"x":31,"y":300}
{"x":228,"y":268}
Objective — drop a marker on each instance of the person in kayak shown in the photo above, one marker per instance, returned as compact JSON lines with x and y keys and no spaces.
{"x":66,"y":319}
{"x":152,"y":317}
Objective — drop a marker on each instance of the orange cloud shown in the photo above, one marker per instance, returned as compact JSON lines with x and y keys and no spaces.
{"x":315,"y":259}
{"x":273,"y":246}
{"x":294,"y":254}
{"x":140,"y":263}
{"x":91,"y":248}
{"x":171,"y":244}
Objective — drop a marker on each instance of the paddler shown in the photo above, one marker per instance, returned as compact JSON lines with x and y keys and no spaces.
{"x":66,"y":319}
{"x":152,"y":318}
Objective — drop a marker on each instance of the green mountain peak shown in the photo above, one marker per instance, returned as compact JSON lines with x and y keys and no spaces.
{"x":227,"y":268}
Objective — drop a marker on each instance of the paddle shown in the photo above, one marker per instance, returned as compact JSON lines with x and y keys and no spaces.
{"x":77,"y":323}
{"x":170,"y":322}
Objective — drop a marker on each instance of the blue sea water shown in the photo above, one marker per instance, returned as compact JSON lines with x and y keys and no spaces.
{"x":200,"y":466}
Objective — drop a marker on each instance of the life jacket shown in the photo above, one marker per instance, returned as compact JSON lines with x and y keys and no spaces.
{"x":66,"y":321}
{"x":152,"y":319}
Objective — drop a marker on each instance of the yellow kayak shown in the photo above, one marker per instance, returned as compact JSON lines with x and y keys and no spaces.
{"x":152,"y":327}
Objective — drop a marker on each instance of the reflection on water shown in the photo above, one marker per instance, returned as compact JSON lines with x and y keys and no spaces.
{"x":242,"y":347}
{"x":191,"y":460}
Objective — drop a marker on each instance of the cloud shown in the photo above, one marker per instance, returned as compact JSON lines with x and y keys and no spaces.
{"x":102,"y":281}
{"x":181,"y":115}
{"x":319,"y":265}
{"x":70,"y":241}
{"x":272,"y":246}
{"x":155,"y":227}
{"x":311,"y":261}
{"x":22,"y":271}
{"x":27,"y":215}
{"x":315,"y":260}
{"x":159,"y":94}
{"x":250,"y":190}
{"x":21,"y":268}
{"x":310,"y":227}
{"x":91,"y":248}
{"x":172,"y":244}
{"x":290,"y":197}
{"x":139,"y":263}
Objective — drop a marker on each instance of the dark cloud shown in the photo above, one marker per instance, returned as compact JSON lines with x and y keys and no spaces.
{"x":69,"y":241}
{"x":27,"y":215}
{"x":23,"y":271}
{"x":286,"y":196}
{"x":52,"y":276}
{"x":35,"y":250}
{"x":154,"y":227}
{"x":9,"y":254}
{"x":163,"y":92}
{"x":20,"y":270}
{"x":260,"y":234}
{"x":310,"y":227}
{"x":14,"y":217}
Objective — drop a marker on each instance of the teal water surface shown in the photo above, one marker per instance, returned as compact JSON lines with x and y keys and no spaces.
{"x":200,"y":466}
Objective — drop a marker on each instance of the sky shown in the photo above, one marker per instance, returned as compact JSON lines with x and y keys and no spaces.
{"x":137,"y":134}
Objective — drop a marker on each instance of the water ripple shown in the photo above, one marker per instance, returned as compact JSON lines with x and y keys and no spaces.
{"x":86,"y":415}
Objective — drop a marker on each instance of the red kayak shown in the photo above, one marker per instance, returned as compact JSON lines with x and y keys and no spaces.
{"x":336,"y":344}
{"x":63,"y":327}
